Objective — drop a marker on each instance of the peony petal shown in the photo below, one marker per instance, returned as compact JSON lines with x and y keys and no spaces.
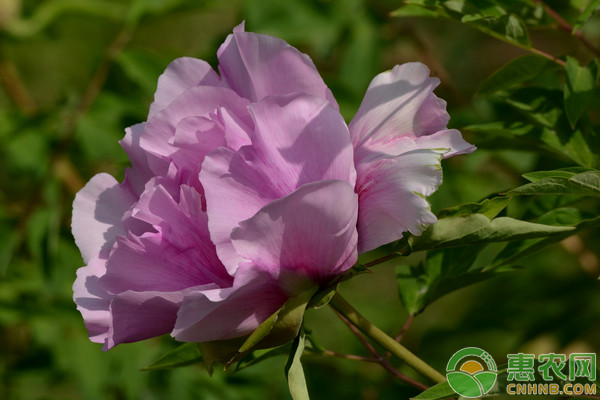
{"x":141,"y":315}
{"x":234,"y":192}
{"x":392,"y":195}
{"x":221,"y":314}
{"x":198,"y":101}
{"x":92,"y":299}
{"x":449,"y":142}
{"x":178,"y":256}
{"x":392,"y":104}
{"x":195,"y":137}
{"x":144,"y":165}
{"x":180,"y":75}
{"x":309,"y":235}
{"x":431,"y":117}
{"x":298,"y":139}
{"x":256,"y":66}
{"x":98,"y":209}
{"x":237,"y":133}
{"x":301,"y":139}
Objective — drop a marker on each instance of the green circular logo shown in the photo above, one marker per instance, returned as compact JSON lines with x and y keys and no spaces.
{"x":471,"y":372}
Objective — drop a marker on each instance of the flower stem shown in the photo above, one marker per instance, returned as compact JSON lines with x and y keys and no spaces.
{"x":351,"y":314}
{"x":409,"y":321}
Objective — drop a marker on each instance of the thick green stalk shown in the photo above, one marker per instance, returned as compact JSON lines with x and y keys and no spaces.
{"x":377,"y":335}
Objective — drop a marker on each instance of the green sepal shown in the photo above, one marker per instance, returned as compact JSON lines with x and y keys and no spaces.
{"x":281,"y":327}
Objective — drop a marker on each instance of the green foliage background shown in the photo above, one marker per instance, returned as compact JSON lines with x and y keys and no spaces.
{"x":75,"y":73}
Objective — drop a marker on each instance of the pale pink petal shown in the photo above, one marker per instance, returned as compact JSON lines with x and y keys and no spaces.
{"x":310,"y":234}
{"x":431,"y":117}
{"x":144,"y":165}
{"x":449,"y":142}
{"x":301,"y":139}
{"x":195,"y":137}
{"x":198,"y":101}
{"x":392,"y":103}
{"x":257,"y":65}
{"x":298,"y":139}
{"x":234,"y":192}
{"x":98,"y":209}
{"x":178,"y":256}
{"x":220,"y":314}
{"x":92,"y":299}
{"x":392,"y":195}
{"x":142,"y":315}
{"x":180,"y":75}
{"x":237,"y":133}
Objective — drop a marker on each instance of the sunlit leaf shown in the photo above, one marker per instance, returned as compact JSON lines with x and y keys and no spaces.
{"x":584,"y":183}
{"x":478,"y":229}
{"x":557,"y":173}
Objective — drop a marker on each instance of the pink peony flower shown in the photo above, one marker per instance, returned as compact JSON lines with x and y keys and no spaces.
{"x":247,"y":188}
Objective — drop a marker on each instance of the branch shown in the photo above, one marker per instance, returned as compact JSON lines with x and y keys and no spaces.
{"x":564,"y":25}
{"x":351,"y":314}
{"x":381,"y":360}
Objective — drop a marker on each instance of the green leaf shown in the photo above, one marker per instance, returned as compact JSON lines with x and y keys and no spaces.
{"x":437,"y":392}
{"x":478,"y":229}
{"x":484,"y":15}
{"x":514,"y":136}
{"x":489,"y":207}
{"x":508,"y":28}
{"x":547,"y":129}
{"x":557,"y":173}
{"x":186,"y":354}
{"x":561,"y":216}
{"x":579,"y":86}
{"x":294,"y":372}
{"x":514,"y":73}
{"x":584,"y":183}
{"x":585,"y":15}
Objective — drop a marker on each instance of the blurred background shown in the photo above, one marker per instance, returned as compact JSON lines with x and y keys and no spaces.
{"x":75,"y":73}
